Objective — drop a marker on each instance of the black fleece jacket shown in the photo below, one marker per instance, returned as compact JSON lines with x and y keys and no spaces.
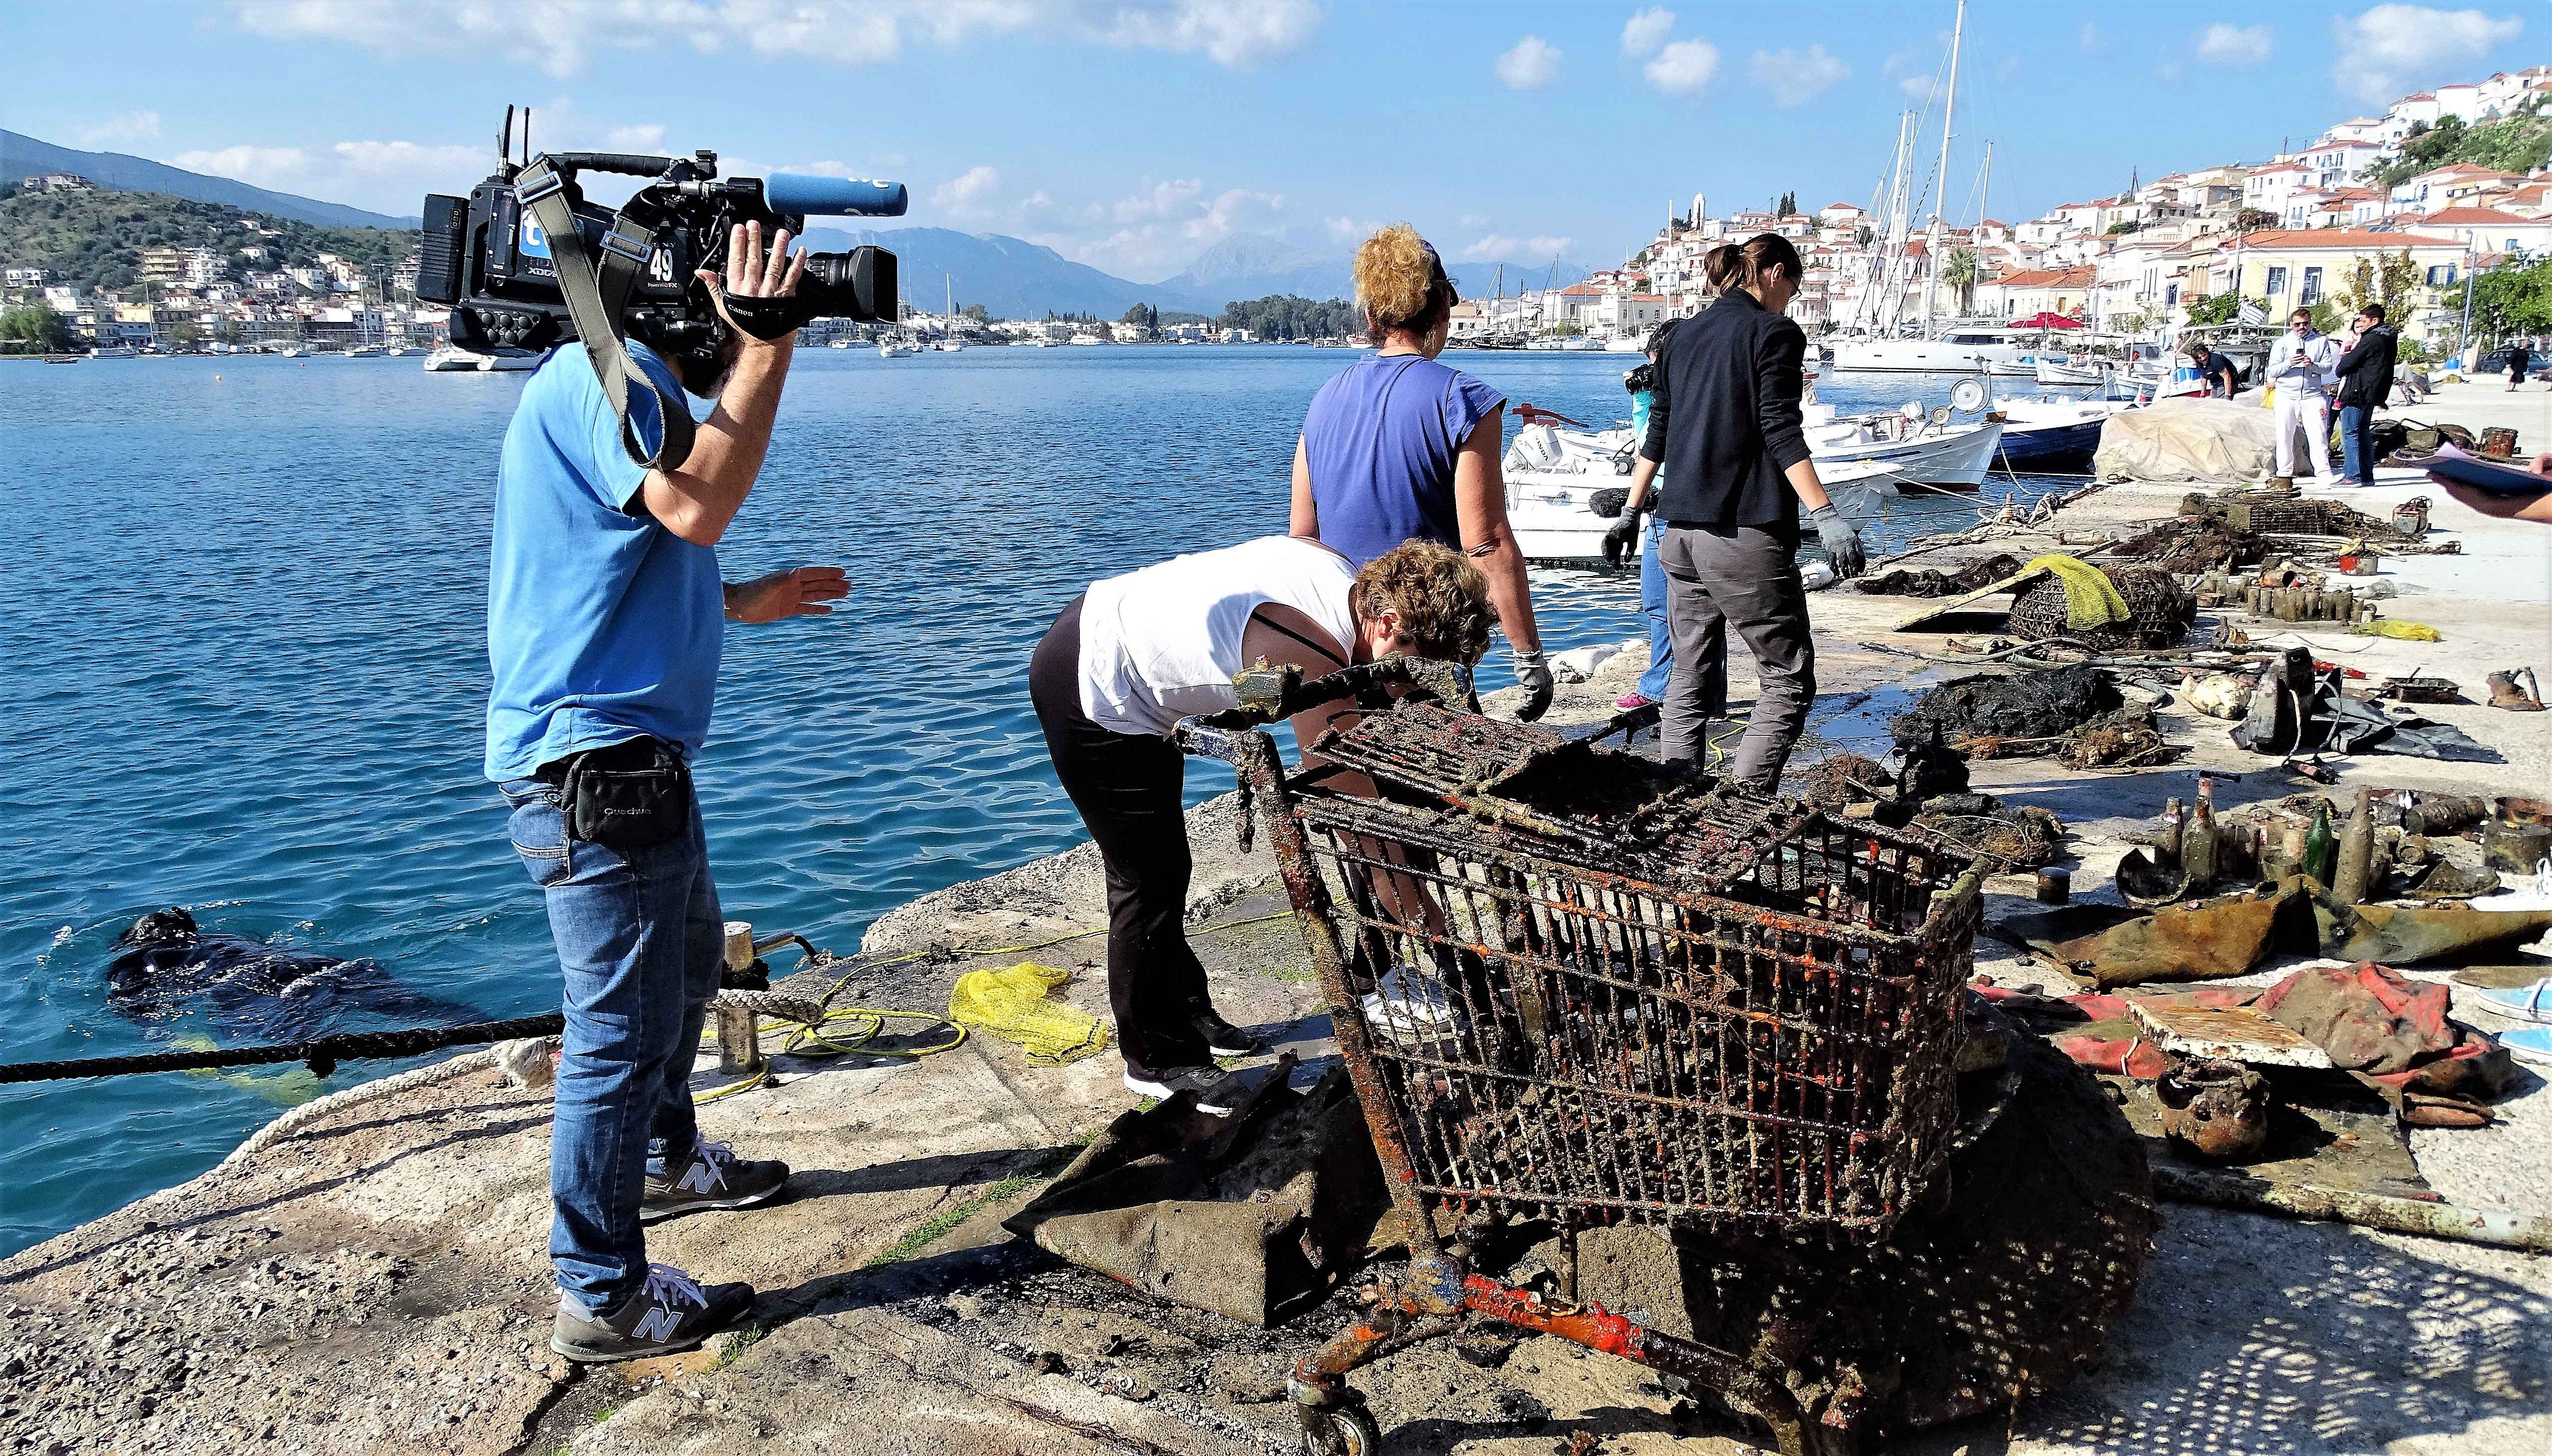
{"x":1725,"y":423}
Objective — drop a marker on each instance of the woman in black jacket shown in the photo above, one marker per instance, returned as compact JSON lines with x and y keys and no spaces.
{"x":2365,"y":382}
{"x":1726,"y":426}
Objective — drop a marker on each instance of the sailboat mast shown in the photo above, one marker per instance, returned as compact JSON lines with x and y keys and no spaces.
{"x":1940,"y":171}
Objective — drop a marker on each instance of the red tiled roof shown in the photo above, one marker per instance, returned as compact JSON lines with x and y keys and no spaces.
{"x":2481,"y":215}
{"x":2333,"y":238}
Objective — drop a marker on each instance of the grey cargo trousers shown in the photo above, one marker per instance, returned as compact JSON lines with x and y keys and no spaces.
{"x":1743,"y":577}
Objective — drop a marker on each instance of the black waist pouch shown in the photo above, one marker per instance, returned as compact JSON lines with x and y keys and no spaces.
{"x":628,"y":796}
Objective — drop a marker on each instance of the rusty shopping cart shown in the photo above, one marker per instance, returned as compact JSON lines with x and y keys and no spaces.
{"x":1569,"y":985}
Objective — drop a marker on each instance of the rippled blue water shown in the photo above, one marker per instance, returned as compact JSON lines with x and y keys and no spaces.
{"x":245,"y":623}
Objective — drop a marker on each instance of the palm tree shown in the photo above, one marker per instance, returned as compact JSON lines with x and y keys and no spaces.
{"x":1959,"y":270}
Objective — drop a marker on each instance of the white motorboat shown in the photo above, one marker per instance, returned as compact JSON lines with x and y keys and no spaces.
{"x":1582,"y":344}
{"x":366,"y":351}
{"x":1545,"y":344}
{"x":1553,"y":475}
{"x":837,"y":344}
{"x":113,"y":351}
{"x":893,"y":348}
{"x":450,"y":358}
{"x":1086,"y":337}
{"x":2075,"y":370}
{"x":1626,"y":343}
{"x":1955,"y":352}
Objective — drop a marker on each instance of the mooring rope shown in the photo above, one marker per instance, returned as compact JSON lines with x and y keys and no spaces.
{"x":321,"y":1055}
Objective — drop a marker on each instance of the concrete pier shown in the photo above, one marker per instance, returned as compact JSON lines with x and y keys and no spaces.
{"x":379,"y":1282}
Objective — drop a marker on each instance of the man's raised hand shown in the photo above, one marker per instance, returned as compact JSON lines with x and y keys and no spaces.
{"x":753,"y":273}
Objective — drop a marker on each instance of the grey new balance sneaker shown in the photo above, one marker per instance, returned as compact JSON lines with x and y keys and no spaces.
{"x":713,"y":1176}
{"x":670,"y":1313}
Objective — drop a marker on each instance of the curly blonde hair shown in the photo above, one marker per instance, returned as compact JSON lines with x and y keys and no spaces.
{"x":1396,"y":275}
{"x":1442,"y":598}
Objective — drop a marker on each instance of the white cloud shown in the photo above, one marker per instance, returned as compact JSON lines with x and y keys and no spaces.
{"x":1918,"y":89}
{"x":1499,"y":247}
{"x":1901,"y":61}
{"x":1530,"y":65}
{"x":125,"y":129}
{"x":1174,"y":198}
{"x":2235,"y":45}
{"x":1349,"y":229}
{"x":1684,"y":68}
{"x":383,"y":177}
{"x":2391,"y":48}
{"x":2011,"y":67}
{"x":2092,"y":38}
{"x":1646,"y":32}
{"x":969,"y":194}
{"x":1795,"y":80}
{"x":1474,"y":220}
{"x":561,"y":35}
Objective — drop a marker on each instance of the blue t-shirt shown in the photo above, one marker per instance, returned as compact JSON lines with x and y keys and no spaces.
{"x":602,"y":626}
{"x":1380,"y":442}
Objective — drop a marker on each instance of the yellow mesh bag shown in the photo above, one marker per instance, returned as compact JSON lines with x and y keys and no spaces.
{"x":2091,"y":599}
{"x":1018,"y":1005}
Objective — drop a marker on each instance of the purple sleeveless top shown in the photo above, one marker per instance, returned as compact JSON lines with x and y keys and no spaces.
{"x":1380,"y":441}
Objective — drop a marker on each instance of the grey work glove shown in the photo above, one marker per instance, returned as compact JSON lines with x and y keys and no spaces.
{"x":1533,"y":675}
{"x":1842,"y":542}
{"x":1622,"y":540}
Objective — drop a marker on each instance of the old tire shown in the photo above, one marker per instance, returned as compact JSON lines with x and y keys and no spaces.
{"x":1345,"y":1429}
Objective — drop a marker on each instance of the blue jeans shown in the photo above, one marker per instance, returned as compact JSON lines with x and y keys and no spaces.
{"x":2356,"y":443}
{"x":1653,"y":606}
{"x":640,"y":944}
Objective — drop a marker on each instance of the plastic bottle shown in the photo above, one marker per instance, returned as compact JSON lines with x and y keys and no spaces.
{"x":2321,"y":846}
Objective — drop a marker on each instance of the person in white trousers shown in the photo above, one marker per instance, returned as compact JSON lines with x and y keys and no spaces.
{"x":2300,"y":367}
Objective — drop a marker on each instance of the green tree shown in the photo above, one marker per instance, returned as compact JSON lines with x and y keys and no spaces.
{"x":976,"y":312}
{"x":2380,"y":280}
{"x":32,"y":327}
{"x":2252,"y":219}
{"x":1789,"y":204}
{"x":1959,"y":270}
{"x":2513,"y":299}
{"x":2211,"y":308}
{"x":2118,"y":228}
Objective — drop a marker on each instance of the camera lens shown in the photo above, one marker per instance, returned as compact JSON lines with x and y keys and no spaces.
{"x":858,"y":284}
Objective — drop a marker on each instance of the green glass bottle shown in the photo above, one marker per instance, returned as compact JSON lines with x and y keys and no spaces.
{"x":2321,"y":846}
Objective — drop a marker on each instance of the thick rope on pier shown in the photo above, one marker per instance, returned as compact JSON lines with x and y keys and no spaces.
{"x":321,"y":1054}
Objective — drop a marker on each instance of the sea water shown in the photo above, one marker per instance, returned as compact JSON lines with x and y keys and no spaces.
{"x":245,"y":627}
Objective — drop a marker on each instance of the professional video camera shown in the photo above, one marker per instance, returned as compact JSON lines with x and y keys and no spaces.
{"x":493,"y":256}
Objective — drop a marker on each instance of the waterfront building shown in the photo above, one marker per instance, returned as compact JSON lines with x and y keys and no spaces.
{"x":2289,"y":269}
{"x":2488,"y":230}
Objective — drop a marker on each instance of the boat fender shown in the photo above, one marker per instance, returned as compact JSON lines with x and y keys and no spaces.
{"x":1816,"y":576}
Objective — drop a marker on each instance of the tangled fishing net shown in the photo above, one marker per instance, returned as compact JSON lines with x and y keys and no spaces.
{"x":1018,"y":1005}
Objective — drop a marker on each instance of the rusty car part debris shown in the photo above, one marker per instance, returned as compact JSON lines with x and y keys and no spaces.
{"x":2216,"y":1109}
{"x":2418,"y":689}
{"x":2516,"y":691}
{"x":2514,"y":848}
{"x":2496,"y":1227}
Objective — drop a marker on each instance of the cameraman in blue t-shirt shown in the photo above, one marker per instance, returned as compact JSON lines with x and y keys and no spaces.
{"x":604,"y":620}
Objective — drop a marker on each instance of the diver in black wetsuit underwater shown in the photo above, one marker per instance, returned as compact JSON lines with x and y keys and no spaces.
{"x":165,"y":965}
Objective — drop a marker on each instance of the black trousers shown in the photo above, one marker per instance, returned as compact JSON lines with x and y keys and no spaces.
{"x":1126,"y":786}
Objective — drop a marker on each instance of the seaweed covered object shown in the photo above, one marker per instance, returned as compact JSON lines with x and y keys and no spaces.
{"x":1989,"y":707}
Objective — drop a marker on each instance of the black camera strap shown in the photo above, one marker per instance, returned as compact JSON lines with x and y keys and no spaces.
{"x":593,"y":298}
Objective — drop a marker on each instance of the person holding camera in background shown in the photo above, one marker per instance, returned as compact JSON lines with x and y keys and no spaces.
{"x":605,"y":616}
{"x":2299,"y":369}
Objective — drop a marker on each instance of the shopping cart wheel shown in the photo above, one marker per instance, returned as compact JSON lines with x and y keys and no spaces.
{"x":1344,"y":1430}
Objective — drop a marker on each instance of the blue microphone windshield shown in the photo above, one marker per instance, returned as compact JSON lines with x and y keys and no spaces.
{"x":832,"y":197}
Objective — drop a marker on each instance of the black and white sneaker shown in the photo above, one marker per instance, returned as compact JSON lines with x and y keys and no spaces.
{"x":670,"y":1313}
{"x":713,"y":1176}
{"x":1222,"y":1038}
{"x":1217,"y":1091}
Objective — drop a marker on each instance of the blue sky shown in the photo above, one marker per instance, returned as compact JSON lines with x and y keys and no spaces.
{"x":1132,"y":134}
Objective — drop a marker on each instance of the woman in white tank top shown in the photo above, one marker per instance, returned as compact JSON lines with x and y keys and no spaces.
{"x":1136,"y":652}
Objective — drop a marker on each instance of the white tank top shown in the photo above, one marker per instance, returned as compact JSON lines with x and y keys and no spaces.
{"x":1162,"y":644}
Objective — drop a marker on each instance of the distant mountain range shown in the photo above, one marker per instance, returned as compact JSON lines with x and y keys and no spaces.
{"x":25,"y":156}
{"x":1015,"y":278}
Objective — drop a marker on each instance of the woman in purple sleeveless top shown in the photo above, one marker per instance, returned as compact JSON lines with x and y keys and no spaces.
{"x":1399,"y":447}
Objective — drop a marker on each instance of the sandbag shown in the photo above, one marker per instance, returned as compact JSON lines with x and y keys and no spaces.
{"x":2189,"y":439}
